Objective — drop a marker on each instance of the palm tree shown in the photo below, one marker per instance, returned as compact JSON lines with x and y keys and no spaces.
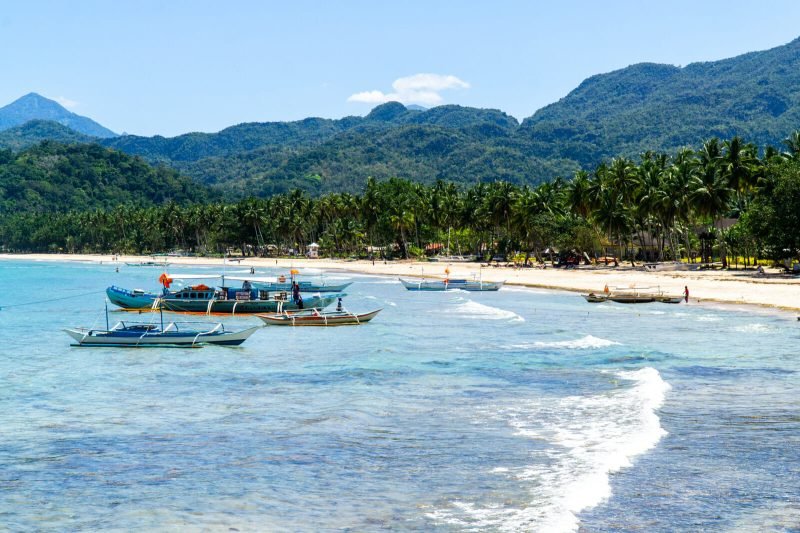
{"x":792,"y":144}
{"x":711,"y":192}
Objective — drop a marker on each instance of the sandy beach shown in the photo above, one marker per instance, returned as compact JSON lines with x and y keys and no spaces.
{"x":730,"y":287}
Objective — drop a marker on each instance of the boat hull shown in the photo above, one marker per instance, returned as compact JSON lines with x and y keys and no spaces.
{"x":86,"y":337}
{"x":128,"y":299}
{"x":631,"y":299}
{"x":452,"y":285}
{"x":305,"y":286}
{"x":595,"y":298}
{"x":334,"y":318}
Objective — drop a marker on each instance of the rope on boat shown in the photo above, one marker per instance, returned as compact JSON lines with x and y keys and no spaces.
{"x":52,"y":299}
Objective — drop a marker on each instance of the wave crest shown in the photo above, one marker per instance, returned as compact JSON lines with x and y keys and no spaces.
{"x":472,"y":309}
{"x":584,"y":343}
{"x":591,"y":437}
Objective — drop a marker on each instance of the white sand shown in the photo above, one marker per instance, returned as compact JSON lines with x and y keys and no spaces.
{"x":735,"y":287}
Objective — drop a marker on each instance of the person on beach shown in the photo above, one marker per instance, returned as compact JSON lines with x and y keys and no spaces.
{"x":686,"y":293}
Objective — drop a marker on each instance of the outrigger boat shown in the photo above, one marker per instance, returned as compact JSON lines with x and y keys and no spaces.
{"x":282,"y":284}
{"x":148,"y":264}
{"x":204,"y":299}
{"x":317,"y":317}
{"x":131,"y":334}
{"x":451,"y":285}
{"x":632,"y":295}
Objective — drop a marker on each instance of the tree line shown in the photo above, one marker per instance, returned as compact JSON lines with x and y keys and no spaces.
{"x":725,"y":199}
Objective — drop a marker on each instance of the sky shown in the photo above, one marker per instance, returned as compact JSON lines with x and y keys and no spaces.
{"x":172,"y":66}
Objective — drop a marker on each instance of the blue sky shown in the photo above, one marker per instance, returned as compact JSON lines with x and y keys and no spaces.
{"x":168,"y":67}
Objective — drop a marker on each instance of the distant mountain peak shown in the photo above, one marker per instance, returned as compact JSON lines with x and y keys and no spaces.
{"x":387,"y":112}
{"x":34,"y":106}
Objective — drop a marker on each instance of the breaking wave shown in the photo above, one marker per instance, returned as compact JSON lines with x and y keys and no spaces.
{"x":589,"y":438}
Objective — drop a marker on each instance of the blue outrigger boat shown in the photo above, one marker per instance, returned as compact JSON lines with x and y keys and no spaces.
{"x":225,"y":300}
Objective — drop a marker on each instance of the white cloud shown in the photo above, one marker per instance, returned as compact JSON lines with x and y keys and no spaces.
{"x":66,"y":102}
{"x":416,"y":89}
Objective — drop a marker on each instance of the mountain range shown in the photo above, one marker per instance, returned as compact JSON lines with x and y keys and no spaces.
{"x":622,"y":113}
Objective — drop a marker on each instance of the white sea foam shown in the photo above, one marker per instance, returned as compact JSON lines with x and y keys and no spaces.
{"x":584,"y":343}
{"x":528,"y":290}
{"x":709,"y":318}
{"x":753,"y":328}
{"x":590,"y":438}
{"x":472,"y":309}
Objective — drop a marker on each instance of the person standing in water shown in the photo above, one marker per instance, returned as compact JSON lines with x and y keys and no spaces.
{"x":295,"y":291}
{"x":686,"y":293}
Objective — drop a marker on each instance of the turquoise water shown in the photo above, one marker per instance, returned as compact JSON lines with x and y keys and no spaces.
{"x":517,"y":410}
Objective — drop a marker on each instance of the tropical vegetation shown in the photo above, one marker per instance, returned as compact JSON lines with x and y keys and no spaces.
{"x":724,"y":199}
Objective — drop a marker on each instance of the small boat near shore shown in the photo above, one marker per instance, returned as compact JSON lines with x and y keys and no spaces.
{"x":134,"y":335}
{"x":451,"y":285}
{"x":148,"y":264}
{"x":317,"y":317}
{"x":632,"y":295}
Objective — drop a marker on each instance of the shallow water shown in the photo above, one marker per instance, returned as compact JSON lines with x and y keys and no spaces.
{"x":508,"y":411}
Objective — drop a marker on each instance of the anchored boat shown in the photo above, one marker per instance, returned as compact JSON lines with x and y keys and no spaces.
{"x":136,"y":334}
{"x":305,"y":286}
{"x":316,"y":317}
{"x":632,"y":295}
{"x":204,"y":299}
{"x":451,"y":285}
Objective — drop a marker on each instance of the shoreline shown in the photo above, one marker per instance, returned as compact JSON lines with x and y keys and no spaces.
{"x":726,"y":287}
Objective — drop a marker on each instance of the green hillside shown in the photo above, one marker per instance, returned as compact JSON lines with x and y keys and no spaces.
{"x":54,"y":177}
{"x":659,"y":107}
{"x":36,"y":131}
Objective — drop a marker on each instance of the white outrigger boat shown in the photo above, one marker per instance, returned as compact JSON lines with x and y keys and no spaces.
{"x":451,"y":285}
{"x":138,"y":334}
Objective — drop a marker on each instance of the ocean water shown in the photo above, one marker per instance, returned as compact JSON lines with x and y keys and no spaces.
{"x":521,"y":410}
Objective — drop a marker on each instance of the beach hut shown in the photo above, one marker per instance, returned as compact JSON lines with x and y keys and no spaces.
{"x":313,"y":251}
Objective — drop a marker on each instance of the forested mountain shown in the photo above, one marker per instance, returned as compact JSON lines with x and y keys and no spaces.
{"x":54,"y":177}
{"x":33,"y":106}
{"x":662,"y":107}
{"x":319,"y":155}
{"x":36,"y":131}
{"x":644,"y":107}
